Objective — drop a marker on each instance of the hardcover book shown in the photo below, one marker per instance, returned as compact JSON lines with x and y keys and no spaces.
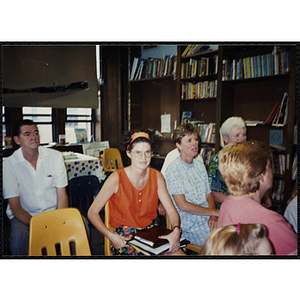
{"x":147,"y":240}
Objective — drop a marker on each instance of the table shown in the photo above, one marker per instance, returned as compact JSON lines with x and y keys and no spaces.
{"x":82,"y":165}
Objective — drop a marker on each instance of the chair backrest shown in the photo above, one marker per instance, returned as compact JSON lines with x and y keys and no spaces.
{"x":58,"y":232}
{"x":82,"y":191}
{"x":111,"y":160}
{"x":107,"y":242}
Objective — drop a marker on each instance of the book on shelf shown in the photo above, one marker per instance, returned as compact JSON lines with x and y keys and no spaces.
{"x":281,"y":116}
{"x":278,"y":190}
{"x":275,"y":63}
{"x":207,"y":154}
{"x":153,"y":67}
{"x":275,"y":137}
{"x":279,"y":113}
{"x":199,"y":90}
{"x":134,"y":67}
{"x":148,"y":240}
{"x":278,"y":164}
{"x":271,"y":116}
{"x":207,"y":133}
{"x":253,"y":122}
{"x":204,"y":66}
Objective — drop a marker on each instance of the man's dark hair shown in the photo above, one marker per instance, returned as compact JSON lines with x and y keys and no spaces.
{"x":17,"y":128}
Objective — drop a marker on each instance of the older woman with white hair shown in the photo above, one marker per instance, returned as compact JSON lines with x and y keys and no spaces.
{"x":232,"y":131}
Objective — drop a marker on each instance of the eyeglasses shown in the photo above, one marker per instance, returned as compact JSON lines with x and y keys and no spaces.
{"x":140,"y":154}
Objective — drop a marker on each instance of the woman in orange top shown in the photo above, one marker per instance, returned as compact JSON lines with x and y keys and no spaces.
{"x":133,"y":194}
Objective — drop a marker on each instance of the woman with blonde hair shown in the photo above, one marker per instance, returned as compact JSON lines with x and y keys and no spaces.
{"x":240,"y":239}
{"x":246,"y":169}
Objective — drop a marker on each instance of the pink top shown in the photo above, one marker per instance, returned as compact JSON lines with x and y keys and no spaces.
{"x":248,"y":211}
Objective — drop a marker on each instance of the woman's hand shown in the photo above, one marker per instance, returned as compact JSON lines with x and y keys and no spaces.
{"x":174,"y":240}
{"x":119,"y":241}
{"x":212,"y":223}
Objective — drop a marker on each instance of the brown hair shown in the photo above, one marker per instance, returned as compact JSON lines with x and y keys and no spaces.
{"x":242,"y":164}
{"x":228,"y":240}
{"x":184,"y":129}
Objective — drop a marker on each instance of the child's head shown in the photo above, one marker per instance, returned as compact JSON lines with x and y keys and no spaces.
{"x":241,"y":239}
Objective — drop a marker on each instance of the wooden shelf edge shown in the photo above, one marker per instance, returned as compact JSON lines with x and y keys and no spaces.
{"x":154,"y":79}
{"x":262,"y":78}
{"x":211,"y":98}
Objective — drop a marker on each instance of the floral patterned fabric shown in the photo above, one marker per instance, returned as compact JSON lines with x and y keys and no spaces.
{"x":217,"y":183}
{"x":191,"y":181}
{"x":128,"y":232}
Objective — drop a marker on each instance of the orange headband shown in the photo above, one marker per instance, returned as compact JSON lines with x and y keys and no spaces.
{"x":137,"y":135}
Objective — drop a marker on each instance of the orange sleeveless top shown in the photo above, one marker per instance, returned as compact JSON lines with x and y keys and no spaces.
{"x":132,"y":207}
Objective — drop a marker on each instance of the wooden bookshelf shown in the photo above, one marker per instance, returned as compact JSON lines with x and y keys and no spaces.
{"x":149,"y":98}
{"x":254,"y":98}
{"x":250,"y":98}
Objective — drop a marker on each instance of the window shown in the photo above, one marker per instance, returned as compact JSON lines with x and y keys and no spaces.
{"x":42,"y":116}
{"x":78,"y":118}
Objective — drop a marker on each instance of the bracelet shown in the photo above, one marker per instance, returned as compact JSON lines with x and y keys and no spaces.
{"x":177,"y":227}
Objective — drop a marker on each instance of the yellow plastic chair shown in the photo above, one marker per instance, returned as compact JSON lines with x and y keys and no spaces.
{"x":58,"y":232}
{"x":191,"y":247}
{"x":107,"y":242}
{"x":112,"y":160}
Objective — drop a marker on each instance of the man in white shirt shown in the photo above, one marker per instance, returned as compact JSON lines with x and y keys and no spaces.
{"x":34,"y":181}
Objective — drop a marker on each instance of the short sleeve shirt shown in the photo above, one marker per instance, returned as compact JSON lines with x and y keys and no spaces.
{"x":36,"y":188}
{"x":191,"y":181}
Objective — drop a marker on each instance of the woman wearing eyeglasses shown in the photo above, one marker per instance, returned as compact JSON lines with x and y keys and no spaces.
{"x":133,"y":194}
{"x":188,"y":185}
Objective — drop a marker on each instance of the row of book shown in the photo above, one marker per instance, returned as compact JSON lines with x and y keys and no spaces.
{"x":256,"y":66}
{"x":279,"y":113}
{"x":153,"y":67}
{"x":207,"y":132}
{"x":203,"y":66}
{"x":199,"y":90}
{"x":278,"y":190}
{"x":195,"y":49}
{"x":278,"y":164}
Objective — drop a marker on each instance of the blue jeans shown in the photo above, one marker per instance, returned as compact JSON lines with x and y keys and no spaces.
{"x":19,"y":237}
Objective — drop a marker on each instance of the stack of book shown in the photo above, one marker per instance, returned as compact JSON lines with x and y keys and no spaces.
{"x":153,"y":67}
{"x":148,"y":241}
